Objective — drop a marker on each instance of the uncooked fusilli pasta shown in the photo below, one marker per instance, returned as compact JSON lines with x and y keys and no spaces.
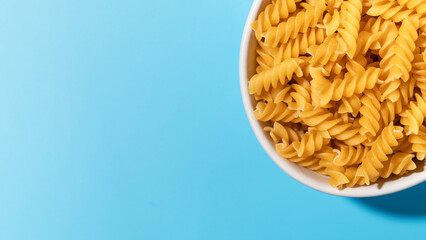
{"x":341,"y":85}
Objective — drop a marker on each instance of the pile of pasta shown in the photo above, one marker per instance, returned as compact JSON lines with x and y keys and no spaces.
{"x":341,"y":85}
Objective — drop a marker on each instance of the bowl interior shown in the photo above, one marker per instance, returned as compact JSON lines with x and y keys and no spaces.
{"x":303,"y":175}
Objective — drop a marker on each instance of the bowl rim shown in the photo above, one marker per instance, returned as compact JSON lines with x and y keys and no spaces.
{"x":284,"y":164}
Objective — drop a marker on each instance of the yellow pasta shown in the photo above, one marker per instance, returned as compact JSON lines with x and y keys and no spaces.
{"x":419,"y":145}
{"x":370,"y":114}
{"x":394,"y":10}
{"x":350,"y":155}
{"x":350,"y":22}
{"x":398,"y":164}
{"x":281,"y":73}
{"x":312,"y":141}
{"x":306,"y":18}
{"x":379,"y":151}
{"x":272,"y":15}
{"x":350,"y":105}
{"x":336,"y":172}
{"x":413,"y":118}
{"x":298,"y":46}
{"x":340,"y":85}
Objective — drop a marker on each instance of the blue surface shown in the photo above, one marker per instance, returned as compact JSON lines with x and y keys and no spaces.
{"x":123,"y":120}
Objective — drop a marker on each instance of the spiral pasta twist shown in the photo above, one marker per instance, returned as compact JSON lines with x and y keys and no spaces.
{"x":333,"y":4}
{"x":276,"y":95}
{"x":418,"y":5}
{"x":389,"y":110}
{"x":275,"y":112}
{"x":418,"y":145}
{"x":331,"y":22}
{"x":355,"y":82}
{"x":281,"y":73}
{"x":372,"y":25}
{"x":354,"y":179}
{"x":301,"y":94}
{"x":350,"y":18}
{"x":366,"y":41}
{"x":299,"y":45}
{"x":286,"y":135}
{"x":381,"y":147}
{"x":398,"y":165}
{"x":296,"y":24}
{"x":350,"y":155}
{"x":312,"y":141}
{"x":264,"y":59}
{"x":325,"y":52}
{"x":422,"y":21}
{"x":419,"y":71}
{"x":323,"y":120}
{"x":390,"y":10}
{"x":350,"y":105}
{"x":407,"y":90}
{"x":310,"y":162}
{"x":336,"y":173}
{"x":414,"y":117}
{"x":397,"y":62}
{"x":272,"y":15}
{"x":389,"y":34}
{"x":370,"y":114}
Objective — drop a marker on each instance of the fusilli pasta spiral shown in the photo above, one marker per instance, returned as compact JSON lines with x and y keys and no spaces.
{"x":307,"y":18}
{"x":272,"y":15}
{"x":419,"y":145}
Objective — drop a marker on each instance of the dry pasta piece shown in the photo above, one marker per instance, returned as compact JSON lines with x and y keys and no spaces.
{"x":370,"y":114}
{"x":281,"y":73}
{"x":350,"y":155}
{"x":275,"y":112}
{"x":419,"y":71}
{"x":398,"y":164}
{"x":418,"y":5}
{"x":325,"y":52}
{"x":354,"y":180}
{"x":310,"y":162}
{"x":307,"y":18}
{"x":265,"y":60}
{"x":301,"y":95}
{"x":379,"y":151}
{"x":350,"y":22}
{"x":312,"y":141}
{"x":323,"y":120}
{"x":396,"y":62}
{"x":391,"y":10}
{"x":331,"y":22}
{"x":388,"y":110}
{"x":419,"y":144}
{"x":407,"y":90}
{"x":336,"y":172}
{"x":272,"y":15}
{"x":350,"y":105}
{"x":280,"y":133}
{"x":355,"y":81}
{"x":299,"y":45}
{"x":413,"y":118}
{"x":366,"y":41}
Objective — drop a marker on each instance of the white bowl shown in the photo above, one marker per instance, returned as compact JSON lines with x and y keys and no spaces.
{"x":303,"y":175}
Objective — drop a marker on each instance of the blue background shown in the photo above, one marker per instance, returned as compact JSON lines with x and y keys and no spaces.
{"x":123,"y":120}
